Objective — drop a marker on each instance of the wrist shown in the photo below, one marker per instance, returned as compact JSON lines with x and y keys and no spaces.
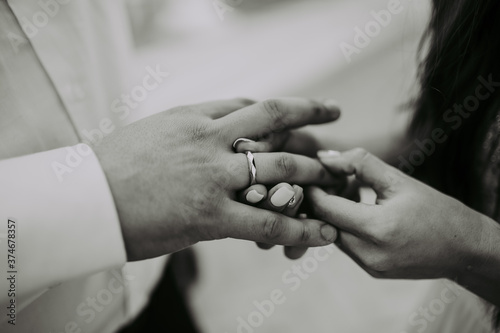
{"x":479,"y":270}
{"x":482,"y":250}
{"x":112,"y":167}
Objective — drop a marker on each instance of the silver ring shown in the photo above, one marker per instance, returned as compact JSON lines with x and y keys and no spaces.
{"x":235,"y":143}
{"x":252,"y":169}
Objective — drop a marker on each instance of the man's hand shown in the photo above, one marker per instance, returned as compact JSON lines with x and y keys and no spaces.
{"x":299,"y":141}
{"x":174,"y":176}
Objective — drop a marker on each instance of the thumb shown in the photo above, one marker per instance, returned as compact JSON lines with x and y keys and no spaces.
{"x":366,"y":167}
{"x":245,"y":222}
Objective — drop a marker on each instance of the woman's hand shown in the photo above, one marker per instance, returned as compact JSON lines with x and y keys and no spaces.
{"x":282,"y":198}
{"x":413,"y":231}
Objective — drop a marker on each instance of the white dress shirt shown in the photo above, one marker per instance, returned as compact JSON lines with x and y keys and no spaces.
{"x":61,"y":73}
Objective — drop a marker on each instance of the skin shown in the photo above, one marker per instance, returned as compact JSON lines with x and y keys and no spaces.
{"x":290,"y":210}
{"x":412,"y":231}
{"x":302,"y":142}
{"x":174,"y":176}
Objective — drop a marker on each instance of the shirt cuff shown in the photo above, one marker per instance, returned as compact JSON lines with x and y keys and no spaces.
{"x":66,"y":224}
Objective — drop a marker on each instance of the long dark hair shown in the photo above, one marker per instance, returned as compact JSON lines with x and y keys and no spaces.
{"x":461,"y":50}
{"x":462,"y":44}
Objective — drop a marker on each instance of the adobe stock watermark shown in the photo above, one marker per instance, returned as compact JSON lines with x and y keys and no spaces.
{"x":372,"y":29}
{"x":31,"y":26}
{"x":221,"y":7}
{"x":419,"y":320}
{"x":292,"y":280}
{"x":89,"y":309}
{"x":454,"y":118}
{"x":121,"y":106}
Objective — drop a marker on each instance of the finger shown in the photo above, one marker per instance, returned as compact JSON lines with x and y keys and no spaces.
{"x":301,"y":142}
{"x":270,"y":143}
{"x":221,"y":108}
{"x":245,"y":222}
{"x":298,"y":142}
{"x":264,"y":246}
{"x":273,"y":168}
{"x":338,"y":188}
{"x":276,"y":115}
{"x":342,"y":213}
{"x":276,"y":195}
{"x":296,"y":252}
{"x":366,"y":167}
{"x":288,"y":210}
{"x":278,"y":198}
{"x":293,"y":206}
{"x":253,"y":195}
{"x":352,"y":190}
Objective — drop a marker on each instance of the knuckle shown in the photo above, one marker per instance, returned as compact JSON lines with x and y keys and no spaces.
{"x":392,"y":180}
{"x":305,"y":234}
{"x":378,"y":262}
{"x":286,"y":165}
{"x":199,"y":132}
{"x":202,"y":131}
{"x":244,"y":101}
{"x":385,"y":235}
{"x":360,"y":154}
{"x":383,"y":231}
{"x":361,"y":158}
{"x":384,"y":184}
{"x":275,"y":110}
{"x":273,"y":227}
{"x":318,"y":108}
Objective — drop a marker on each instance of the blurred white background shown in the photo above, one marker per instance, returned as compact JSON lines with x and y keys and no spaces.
{"x":285,"y":48}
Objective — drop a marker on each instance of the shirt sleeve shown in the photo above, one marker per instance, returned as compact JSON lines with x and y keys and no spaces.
{"x":59,"y":213}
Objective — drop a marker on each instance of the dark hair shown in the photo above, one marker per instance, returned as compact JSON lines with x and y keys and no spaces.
{"x":461,"y":46}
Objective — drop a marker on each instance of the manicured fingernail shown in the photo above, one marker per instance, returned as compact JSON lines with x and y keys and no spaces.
{"x":333,"y":106}
{"x":297,"y":197}
{"x":328,"y":153}
{"x":329,"y":233}
{"x":282,"y":196}
{"x":302,"y":216}
{"x":254,"y":197}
